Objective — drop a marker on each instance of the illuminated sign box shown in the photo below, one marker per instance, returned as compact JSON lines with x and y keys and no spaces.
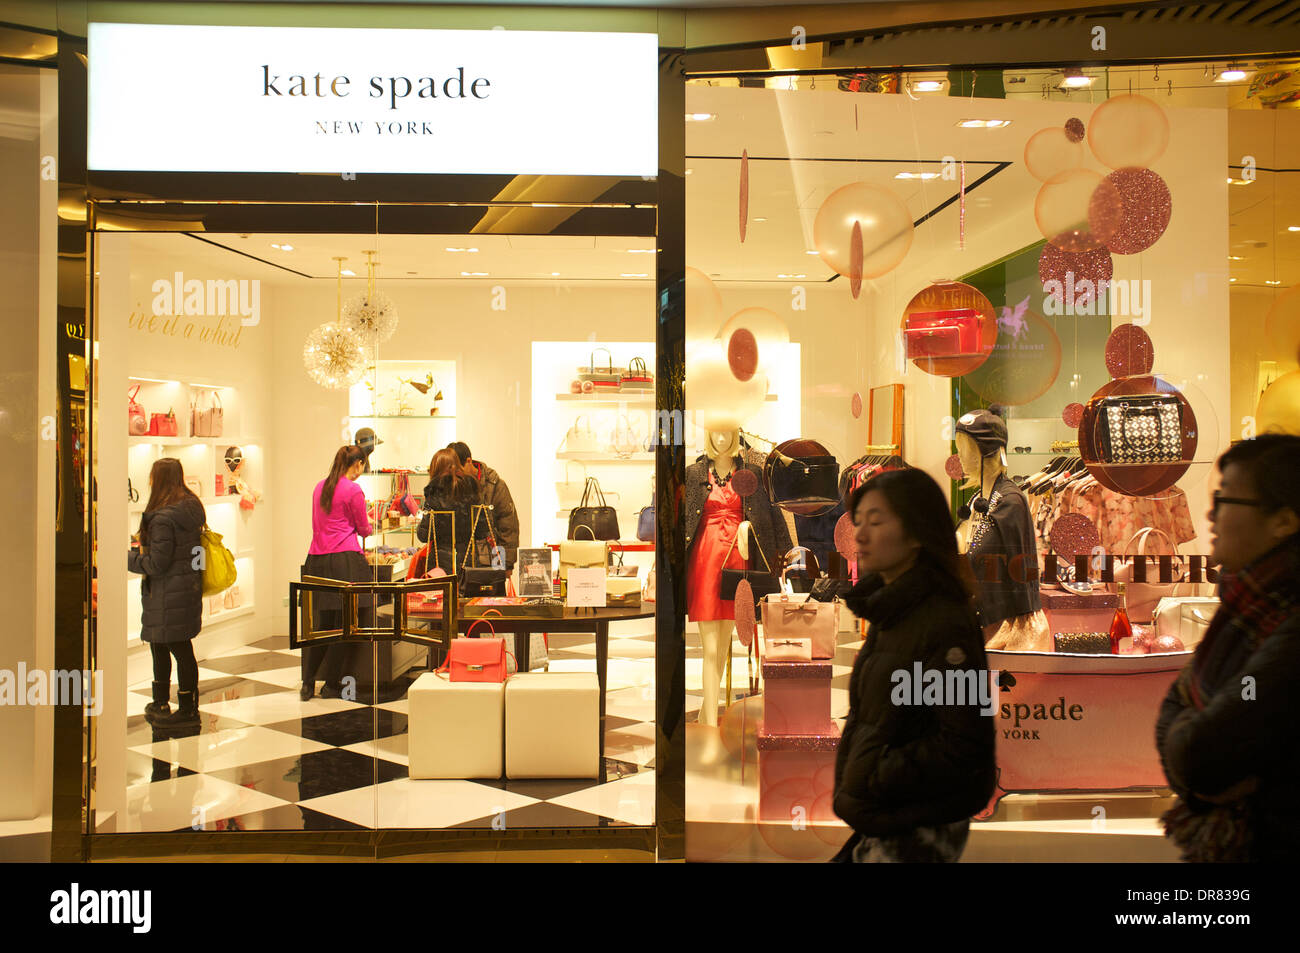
{"x":279,"y":99}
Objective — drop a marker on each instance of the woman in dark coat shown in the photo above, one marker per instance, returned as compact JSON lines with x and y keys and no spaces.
{"x":1229,"y":730}
{"x":164,"y":551}
{"x":450,"y":489}
{"x":912,"y":767}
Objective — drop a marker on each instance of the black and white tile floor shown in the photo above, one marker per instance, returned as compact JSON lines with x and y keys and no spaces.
{"x":263,"y":759}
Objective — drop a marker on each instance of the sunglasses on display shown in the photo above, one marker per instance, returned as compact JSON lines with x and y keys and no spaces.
{"x":1240,"y":501}
{"x":1023,"y":449}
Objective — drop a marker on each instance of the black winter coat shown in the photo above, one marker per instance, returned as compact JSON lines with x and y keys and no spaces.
{"x":172,"y":590}
{"x":903,"y":766}
{"x":769,"y":525}
{"x":437,"y":500}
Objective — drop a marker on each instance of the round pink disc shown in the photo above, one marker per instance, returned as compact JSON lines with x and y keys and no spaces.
{"x":1074,"y":129}
{"x":742,"y":353}
{"x":855,"y":405}
{"x":1072,"y":415}
{"x":745,"y":623}
{"x":1129,"y":351}
{"x":744,"y":482}
{"x":844,"y":541}
{"x":1074,"y":535}
{"x":952,"y":467}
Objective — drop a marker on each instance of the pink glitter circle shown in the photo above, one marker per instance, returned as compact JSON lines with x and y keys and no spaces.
{"x":952,"y":467}
{"x":1074,"y":273}
{"x":855,"y":405}
{"x":845,"y":533}
{"x":744,"y":482}
{"x":745,"y":625}
{"x":742,"y":353}
{"x":1129,"y":352}
{"x":1072,"y":414}
{"x":1145,"y":209}
{"x":1074,"y":535}
{"x":1074,"y":129}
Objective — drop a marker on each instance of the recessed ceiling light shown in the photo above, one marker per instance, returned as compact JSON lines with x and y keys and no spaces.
{"x":758,"y":220}
{"x":1235,"y":258}
{"x":1240,"y":181}
{"x":1232,"y":279}
{"x":281,"y":247}
{"x":811,"y":252}
{"x":690,"y":171}
{"x":929,"y":86}
{"x":473,"y":274}
{"x":1293,"y":228}
{"x":700,"y":117}
{"x":626,"y":275}
{"x":348,"y":273}
{"x":917,"y":175}
{"x":640,"y":251}
{"x":1231,"y":75}
{"x":1272,"y":282}
{"x":450,"y":248}
{"x":1074,"y":79}
{"x":792,"y":276}
{"x":984,"y":123}
{"x":555,"y":274}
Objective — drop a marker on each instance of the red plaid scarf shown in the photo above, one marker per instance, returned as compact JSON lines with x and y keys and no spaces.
{"x":1254,"y":603}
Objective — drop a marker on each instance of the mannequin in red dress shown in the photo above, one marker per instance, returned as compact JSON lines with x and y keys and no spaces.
{"x":720,"y":525}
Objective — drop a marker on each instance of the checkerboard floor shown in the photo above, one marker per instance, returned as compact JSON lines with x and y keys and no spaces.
{"x":263,"y":759}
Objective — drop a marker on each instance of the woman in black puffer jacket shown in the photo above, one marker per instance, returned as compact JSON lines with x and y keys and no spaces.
{"x":164,"y":552}
{"x":912,"y":768}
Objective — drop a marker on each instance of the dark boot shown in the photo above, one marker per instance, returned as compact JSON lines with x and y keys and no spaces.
{"x":186,"y":713}
{"x":307,"y":691}
{"x":159,"y":707}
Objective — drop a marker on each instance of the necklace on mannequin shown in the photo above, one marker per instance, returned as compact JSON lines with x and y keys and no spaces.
{"x":721,"y":481}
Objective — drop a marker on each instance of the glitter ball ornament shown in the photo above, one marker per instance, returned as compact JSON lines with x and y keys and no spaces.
{"x":742,"y":353}
{"x":334,"y":356}
{"x":952,"y":467}
{"x":1074,"y":129}
{"x":745,"y":622}
{"x":1074,"y":535}
{"x":744,"y":482}
{"x":372,"y":316}
{"x":1074,"y":276}
{"x":855,"y":405}
{"x":1072,"y":414}
{"x":1145,"y":207}
{"x":844,"y":538}
{"x":1129,"y":352}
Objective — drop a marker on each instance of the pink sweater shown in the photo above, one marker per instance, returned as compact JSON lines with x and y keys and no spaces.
{"x":336,"y":531}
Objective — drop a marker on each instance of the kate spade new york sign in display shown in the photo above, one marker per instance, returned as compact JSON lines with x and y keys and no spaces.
{"x":282,"y":99}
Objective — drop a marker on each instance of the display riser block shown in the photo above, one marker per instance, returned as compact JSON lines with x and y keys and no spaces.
{"x":797,"y":698}
{"x":796,"y":775}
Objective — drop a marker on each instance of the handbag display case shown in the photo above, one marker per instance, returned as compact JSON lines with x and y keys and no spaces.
{"x":1141,"y":429}
{"x":802,"y":477}
{"x":936,"y":334}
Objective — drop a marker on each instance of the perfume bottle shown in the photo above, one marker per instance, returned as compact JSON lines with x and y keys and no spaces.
{"x":1120,"y":628}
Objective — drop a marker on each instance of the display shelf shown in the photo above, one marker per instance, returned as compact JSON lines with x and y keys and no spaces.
{"x":229,"y":615}
{"x":629,"y":397}
{"x":401,"y":417}
{"x":592,"y":456}
{"x":191,"y":441}
{"x":205,"y":500}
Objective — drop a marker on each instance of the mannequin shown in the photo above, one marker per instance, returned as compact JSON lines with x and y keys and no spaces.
{"x":721,"y":448}
{"x":997,"y":534}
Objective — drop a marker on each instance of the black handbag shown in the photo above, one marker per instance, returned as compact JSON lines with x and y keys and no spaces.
{"x":480,"y":580}
{"x":602,"y":520}
{"x":1147,"y":428}
{"x":760,"y":582}
{"x":802,"y":478}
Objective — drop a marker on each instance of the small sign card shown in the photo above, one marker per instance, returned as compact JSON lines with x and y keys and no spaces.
{"x":586,"y":588}
{"x":535,"y":572}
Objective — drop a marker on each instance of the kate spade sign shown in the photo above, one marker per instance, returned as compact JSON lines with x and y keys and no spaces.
{"x":287,"y":99}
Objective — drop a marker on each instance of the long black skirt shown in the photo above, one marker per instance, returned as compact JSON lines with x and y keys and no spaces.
{"x":327,"y":613}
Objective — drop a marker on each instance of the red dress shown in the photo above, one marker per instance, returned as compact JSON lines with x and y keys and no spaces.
{"x":717,"y":530}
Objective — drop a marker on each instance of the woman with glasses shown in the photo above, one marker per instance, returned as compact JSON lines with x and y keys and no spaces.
{"x":1229,"y":731}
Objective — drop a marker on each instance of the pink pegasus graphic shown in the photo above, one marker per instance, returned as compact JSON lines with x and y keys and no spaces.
{"x":1014,"y":322}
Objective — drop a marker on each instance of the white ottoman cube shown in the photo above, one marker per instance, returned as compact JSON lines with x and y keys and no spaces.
{"x":553,"y":725}
{"x":455,"y":728}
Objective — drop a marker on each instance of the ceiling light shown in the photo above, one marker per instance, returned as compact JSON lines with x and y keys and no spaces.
{"x":811,"y":252}
{"x":1074,"y":79}
{"x":1232,"y":279}
{"x":929,"y":86}
{"x":792,"y":276}
{"x":1272,"y":282}
{"x":450,"y":248}
{"x":473,"y":274}
{"x":917,"y":175}
{"x":626,"y":275}
{"x":643,"y":251}
{"x":1231,"y":75}
{"x":700,"y":117}
{"x":281,"y":247}
{"x":758,"y":220}
{"x":555,"y":274}
{"x":689,"y":171}
{"x":1235,"y":258}
{"x":348,"y":273}
{"x":1240,"y":181}
{"x":984,"y":123}
{"x":1293,"y":228}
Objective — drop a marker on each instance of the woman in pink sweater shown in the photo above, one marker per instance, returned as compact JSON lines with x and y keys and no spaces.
{"x":338,"y":517}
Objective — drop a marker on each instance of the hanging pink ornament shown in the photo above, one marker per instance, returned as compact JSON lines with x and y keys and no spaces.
{"x":884,"y":221}
{"x":1129,"y":352}
{"x":952,"y":467}
{"x":961,"y":215}
{"x":855,"y":260}
{"x":745,"y":623}
{"x":855,"y":405}
{"x":744,"y":482}
{"x":1074,"y":535}
{"x":1075,"y":276}
{"x":1072,"y":415}
{"x":1144,"y":209}
{"x":744,"y":193}
{"x":1074,"y":129}
{"x":845,"y":541}
{"x":742,"y":353}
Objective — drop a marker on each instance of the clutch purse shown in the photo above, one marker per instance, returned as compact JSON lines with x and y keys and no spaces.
{"x":1082,"y":643}
{"x":784,"y":649}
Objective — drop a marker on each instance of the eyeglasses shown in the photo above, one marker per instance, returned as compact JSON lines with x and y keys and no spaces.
{"x":1240,"y":501}
{"x":1023,"y":449}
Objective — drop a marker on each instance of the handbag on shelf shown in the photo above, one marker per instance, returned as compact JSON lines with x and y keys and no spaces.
{"x":594,"y":513}
{"x":1141,"y":598}
{"x":618,"y":569}
{"x":163,"y":425}
{"x":1143,"y":429}
{"x":476,"y":659}
{"x":582,"y":554}
{"x":645,"y":524}
{"x":208,"y":421}
{"x":938,"y":334}
{"x":623,"y":592}
{"x":569,"y":492}
{"x":624,"y":439}
{"x":785,"y":649}
{"x":581,"y":439}
{"x":1185,"y":617}
{"x":137,"y":424}
{"x":648,"y":593}
{"x":761,"y":582}
{"x":796,"y":617}
{"x":802,"y":477}
{"x":480,"y":580}
{"x":597,"y":373}
{"x":425,"y":603}
{"x":1082,"y":643}
{"x":637,"y":376}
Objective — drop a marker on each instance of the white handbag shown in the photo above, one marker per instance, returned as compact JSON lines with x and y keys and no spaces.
{"x":569,"y":491}
{"x":1186,"y":617}
{"x":580,"y":438}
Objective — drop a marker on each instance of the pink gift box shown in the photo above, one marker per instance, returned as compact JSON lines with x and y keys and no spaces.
{"x":797,"y":698}
{"x":796,"y":775}
{"x":1070,"y":612}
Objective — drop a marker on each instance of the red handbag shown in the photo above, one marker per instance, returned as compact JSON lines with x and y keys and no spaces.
{"x":163,"y":425}
{"x":424,"y":603}
{"x":137,"y":425}
{"x":933,"y":334}
{"x":476,"y":660}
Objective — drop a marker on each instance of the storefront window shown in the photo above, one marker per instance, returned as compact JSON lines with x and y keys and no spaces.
{"x":876,"y":262}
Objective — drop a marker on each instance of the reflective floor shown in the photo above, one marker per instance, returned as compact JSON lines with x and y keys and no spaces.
{"x":263,"y":759}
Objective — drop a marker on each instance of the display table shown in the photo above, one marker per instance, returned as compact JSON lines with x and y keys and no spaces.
{"x":595,"y":621}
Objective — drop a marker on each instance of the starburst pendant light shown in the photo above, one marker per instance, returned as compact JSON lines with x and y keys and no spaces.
{"x":371,"y":314}
{"x":334,"y":355}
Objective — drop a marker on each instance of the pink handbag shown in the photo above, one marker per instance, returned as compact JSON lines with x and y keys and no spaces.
{"x":137,"y":424}
{"x":1142,"y":597}
{"x":800,"y":617}
{"x":476,"y":660}
{"x":782,"y":649}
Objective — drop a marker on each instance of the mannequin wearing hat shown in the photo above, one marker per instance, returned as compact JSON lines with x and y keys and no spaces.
{"x":997,"y":534}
